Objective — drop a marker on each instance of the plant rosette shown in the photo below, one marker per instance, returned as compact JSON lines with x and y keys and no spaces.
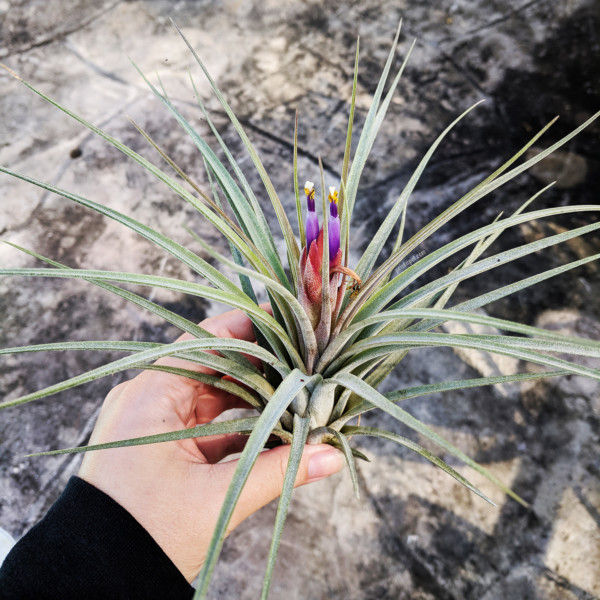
{"x":335,"y":331}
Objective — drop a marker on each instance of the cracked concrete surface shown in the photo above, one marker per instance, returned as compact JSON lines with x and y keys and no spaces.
{"x":415,"y":533}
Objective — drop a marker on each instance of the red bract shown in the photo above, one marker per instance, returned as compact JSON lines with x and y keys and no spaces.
{"x":311,"y":288}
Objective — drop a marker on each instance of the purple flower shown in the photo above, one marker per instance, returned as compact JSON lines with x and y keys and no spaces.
{"x":333,"y":224}
{"x":312,"y":221}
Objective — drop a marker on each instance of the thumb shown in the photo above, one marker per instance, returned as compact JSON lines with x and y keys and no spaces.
{"x":265,"y":481}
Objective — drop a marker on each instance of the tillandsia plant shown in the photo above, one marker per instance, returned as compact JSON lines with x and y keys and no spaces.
{"x":335,"y":330}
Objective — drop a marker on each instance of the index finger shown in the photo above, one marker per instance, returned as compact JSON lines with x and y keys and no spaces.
{"x":231,"y":324}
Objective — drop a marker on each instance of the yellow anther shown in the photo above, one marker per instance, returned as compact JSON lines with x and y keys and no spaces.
{"x":309,"y":189}
{"x":333,"y":195}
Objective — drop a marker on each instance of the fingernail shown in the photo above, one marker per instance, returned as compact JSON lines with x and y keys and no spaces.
{"x":324,"y":463}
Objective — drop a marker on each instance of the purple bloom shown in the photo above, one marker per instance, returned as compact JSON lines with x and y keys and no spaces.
{"x":312,"y":221}
{"x":333,"y":224}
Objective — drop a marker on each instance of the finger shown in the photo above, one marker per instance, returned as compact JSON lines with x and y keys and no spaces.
{"x":217,"y":447}
{"x":265,"y":481}
{"x":188,"y":395}
{"x":233,"y":324}
{"x":214,"y":402}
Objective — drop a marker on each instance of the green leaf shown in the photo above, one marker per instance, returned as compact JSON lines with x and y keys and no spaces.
{"x":260,"y":216}
{"x":483,"y":244}
{"x":245,"y":214}
{"x":437,"y":388}
{"x":294,"y":306}
{"x":387,"y":293}
{"x":301,"y":229}
{"x":215,"y":220}
{"x":361,"y":388}
{"x":438,"y":462}
{"x":223,"y":365}
{"x":221,"y":428}
{"x":290,"y":240}
{"x":105,"y":345}
{"x":398,"y":283}
{"x":301,"y":429}
{"x":491,"y":183}
{"x":262,"y":236}
{"x":347,"y":450}
{"x":344,"y":215}
{"x":238,"y":300}
{"x":290,"y":387}
{"x":184,"y":255}
{"x":245,"y":283}
{"x":373,"y":250}
{"x":377,"y":346}
{"x":461,"y":204}
{"x":183,"y":175}
{"x":261,"y":336}
{"x":443,"y":315}
{"x":168,"y":315}
{"x":391,"y":361}
{"x":215,"y":381}
{"x":522,"y":284}
{"x":370,"y":128}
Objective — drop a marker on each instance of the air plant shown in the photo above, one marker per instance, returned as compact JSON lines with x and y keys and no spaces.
{"x":336,"y":330}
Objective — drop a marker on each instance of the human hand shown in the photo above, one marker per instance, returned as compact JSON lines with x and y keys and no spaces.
{"x":175,"y":489}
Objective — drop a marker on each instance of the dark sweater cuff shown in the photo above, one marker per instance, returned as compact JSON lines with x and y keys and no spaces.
{"x":89,"y":546}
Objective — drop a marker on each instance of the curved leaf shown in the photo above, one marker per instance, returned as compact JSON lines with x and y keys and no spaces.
{"x":290,"y":240}
{"x":378,"y":346}
{"x":437,"y":388}
{"x":432,"y":458}
{"x":214,"y":219}
{"x":373,"y":250}
{"x":301,"y":428}
{"x":223,"y":427}
{"x":237,"y":300}
{"x":223,"y":365}
{"x":364,"y":390}
{"x":166,"y":314}
{"x":390,"y":290}
{"x":293,"y":384}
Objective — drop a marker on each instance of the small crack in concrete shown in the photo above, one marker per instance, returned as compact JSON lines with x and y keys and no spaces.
{"x":59,"y":35}
{"x":289,"y":146}
{"x":491,"y":24}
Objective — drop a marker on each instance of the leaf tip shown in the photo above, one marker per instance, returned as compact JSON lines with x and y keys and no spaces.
{"x":33,"y":455}
{"x":11,"y":72}
{"x":522,"y":502}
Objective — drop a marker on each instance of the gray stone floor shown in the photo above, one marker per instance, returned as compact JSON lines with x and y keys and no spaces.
{"x":415,"y":533}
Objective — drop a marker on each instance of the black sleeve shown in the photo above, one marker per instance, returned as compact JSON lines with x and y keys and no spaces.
{"x":88,"y":546}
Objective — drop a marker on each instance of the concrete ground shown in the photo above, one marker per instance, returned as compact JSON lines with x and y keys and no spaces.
{"x":416,"y":533}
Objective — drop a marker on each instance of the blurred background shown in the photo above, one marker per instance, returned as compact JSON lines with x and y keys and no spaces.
{"x":415,"y":533}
